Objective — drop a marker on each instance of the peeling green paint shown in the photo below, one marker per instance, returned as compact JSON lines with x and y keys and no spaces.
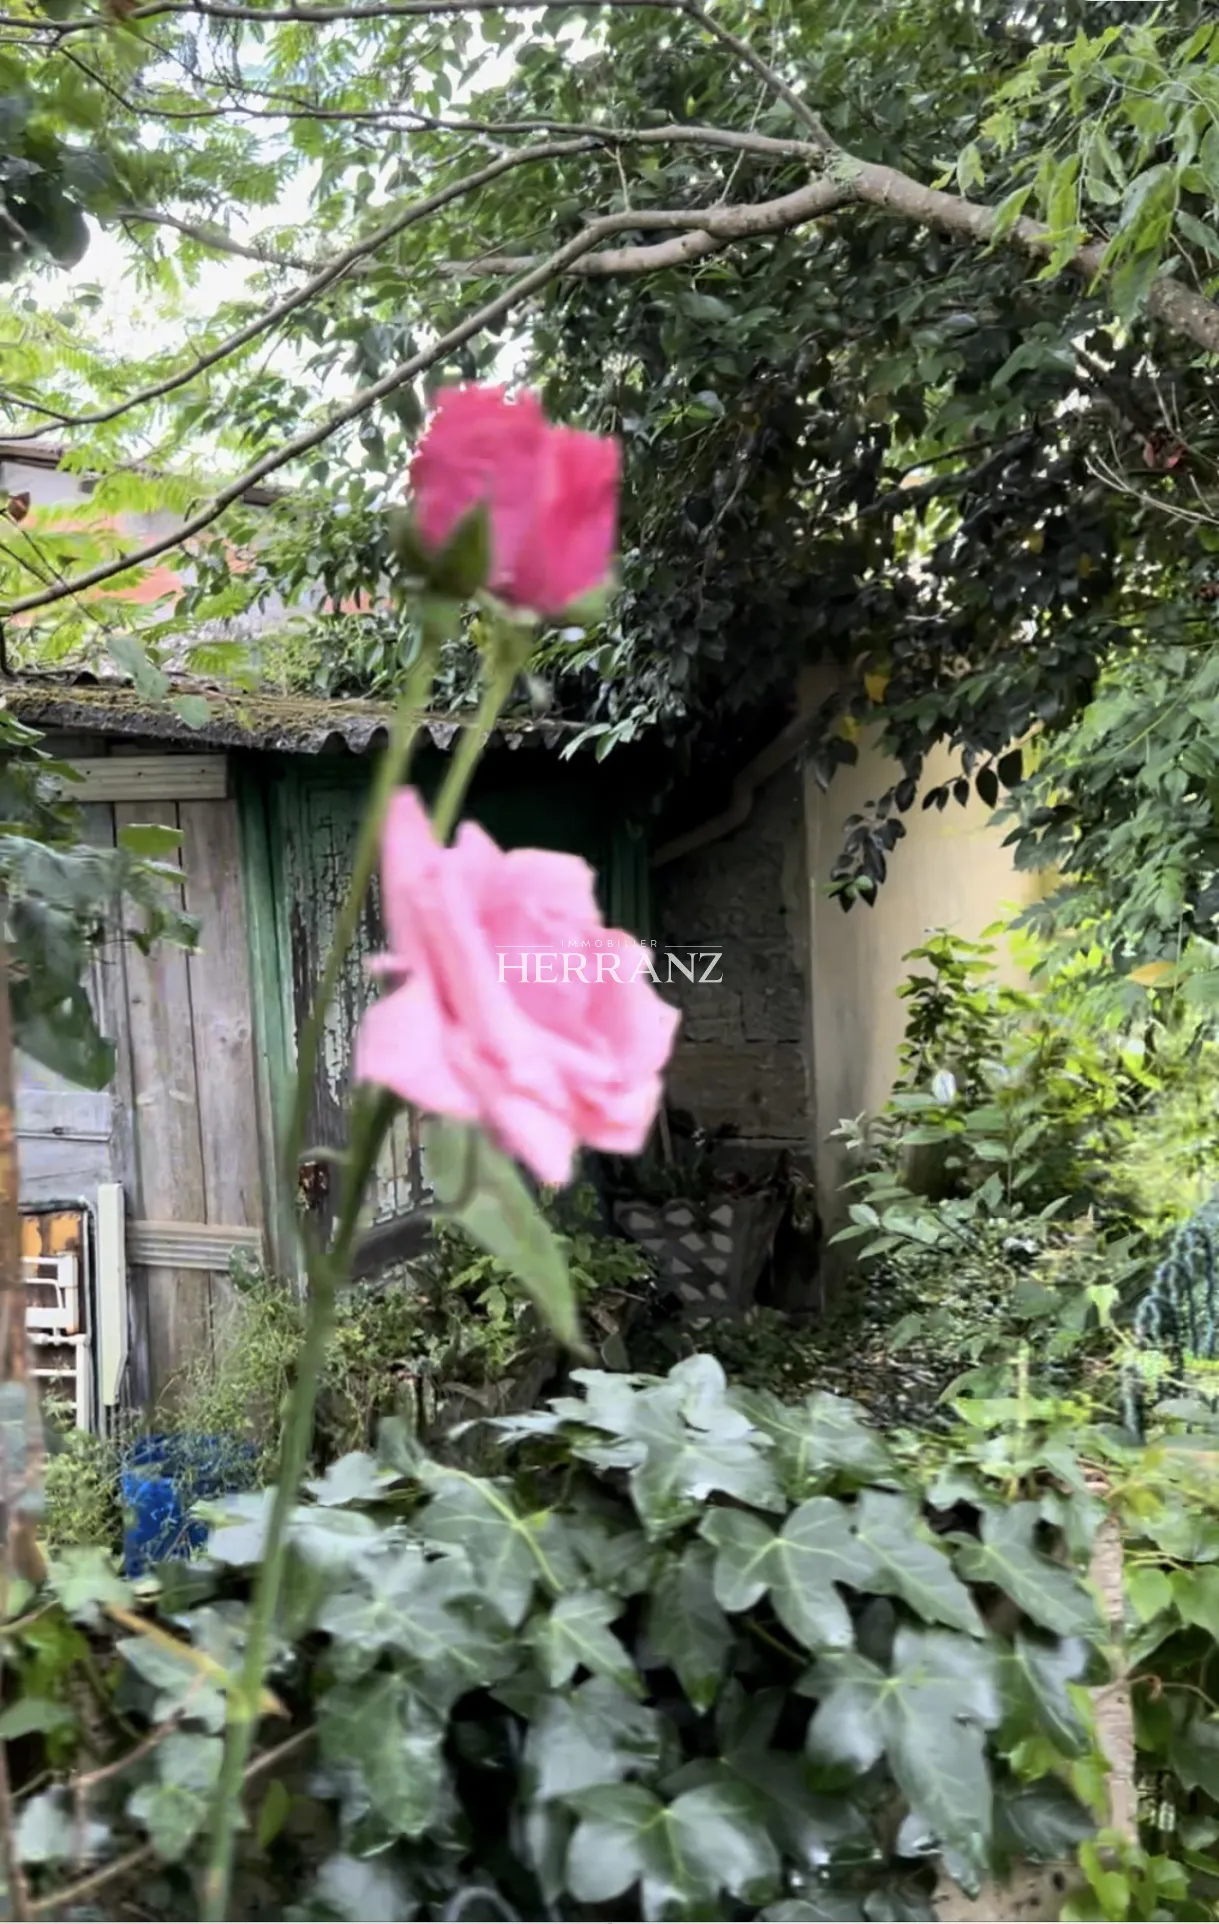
{"x":310,"y":811}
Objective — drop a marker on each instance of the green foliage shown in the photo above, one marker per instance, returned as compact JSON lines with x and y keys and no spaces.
{"x":1013,"y":1194}
{"x":1132,"y":117}
{"x":859,"y":427}
{"x":63,"y":897}
{"x":80,"y":1490}
{"x":688,"y":1647}
{"x":1129,"y":791}
{"x":1006,"y":1108}
{"x":48,"y":180}
{"x":427,"y":1346}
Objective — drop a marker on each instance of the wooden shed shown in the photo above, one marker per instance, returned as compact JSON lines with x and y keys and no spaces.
{"x":151,"y":1185}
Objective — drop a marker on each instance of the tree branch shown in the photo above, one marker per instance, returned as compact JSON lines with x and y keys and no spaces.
{"x":582,"y":138}
{"x":865,"y":183}
{"x":743,"y":51}
{"x":465,"y":330}
{"x":215,"y":239}
{"x":1176,"y":305}
{"x":305,"y":13}
{"x":706,"y":230}
{"x":959,"y":481}
{"x":325,"y":277}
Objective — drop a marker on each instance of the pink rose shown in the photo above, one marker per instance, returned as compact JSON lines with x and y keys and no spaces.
{"x":551,"y":494}
{"x":543,"y":1066}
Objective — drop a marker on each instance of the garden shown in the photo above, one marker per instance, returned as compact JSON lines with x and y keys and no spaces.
{"x":619,"y":364}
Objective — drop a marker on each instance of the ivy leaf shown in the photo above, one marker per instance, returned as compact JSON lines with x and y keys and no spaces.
{"x":355,"y":1478}
{"x":30,"y":1714}
{"x":684,"y":1855}
{"x":823,"y":1440}
{"x":744,"y":1546}
{"x":47,"y":1831}
{"x":592,"y":1735}
{"x":683,"y":1466}
{"x":1149,"y":1590}
{"x":928,"y":1717}
{"x":799,"y":1566}
{"x":181,"y":1687}
{"x":365,"y":1890}
{"x":910,"y":1568}
{"x":1196,"y":1595}
{"x":1039,"y":1674}
{"x":427,"y":1612}
{"x":576,"y":1634}
{"x":1193,"y":1753}
{"x":395,"y":1744}
{"x":478,"y":1516}
{"x":327,"y":1538}
{"x":687,"y":1628}
{"x":1007,"y":1557}
{"x":1041,"y":1822}
{"x":174,"y":1807}
{"x":846,"y":1734}
{"x":809,"y":1828}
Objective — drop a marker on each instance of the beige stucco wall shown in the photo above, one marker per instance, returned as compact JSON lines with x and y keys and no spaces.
{"x":951,"y":871}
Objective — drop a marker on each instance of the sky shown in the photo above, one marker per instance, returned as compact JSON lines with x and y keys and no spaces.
{"x":126,"y":321}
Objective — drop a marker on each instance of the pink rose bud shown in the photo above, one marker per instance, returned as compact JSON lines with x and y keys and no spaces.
{"x":542,"y":1066}
{"x":551,"y":494}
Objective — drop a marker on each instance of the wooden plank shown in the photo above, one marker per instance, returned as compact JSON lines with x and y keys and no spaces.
{"x":320,"y":820}
{"x":221,"y":1014}
{"x":115,"y":1020}
{"x":270,"y":992}
{"x":223,"y":1022}
{"x":169,"y":1153}
{"x":149,"y":778}
{"x":177,"y":1245}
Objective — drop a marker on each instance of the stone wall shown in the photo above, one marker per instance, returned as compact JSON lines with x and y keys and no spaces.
{"x":741,"y":1059}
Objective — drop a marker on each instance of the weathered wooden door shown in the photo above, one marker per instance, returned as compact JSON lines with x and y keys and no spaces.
{"x":313,"y":813}
{"x":316,"y":812}
{"x":179,"y":1128}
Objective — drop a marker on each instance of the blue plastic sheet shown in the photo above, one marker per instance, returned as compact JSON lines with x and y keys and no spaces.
{"x":163,"y":1478}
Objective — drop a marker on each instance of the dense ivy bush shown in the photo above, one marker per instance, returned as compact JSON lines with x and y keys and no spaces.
{"x":692,"y":1653}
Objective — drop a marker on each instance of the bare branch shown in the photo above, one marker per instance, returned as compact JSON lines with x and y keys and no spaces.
{"x":773,"y":80}
{"x":734,"y":140}
{"x":465,"y":330}
{"x":216,"y":239}
{"x":325,"y":277}
{"x":305,"y":13}
{"x":866,"y":183}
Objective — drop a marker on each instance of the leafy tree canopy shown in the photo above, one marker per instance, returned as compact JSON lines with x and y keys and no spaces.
{"x":903,"y":313}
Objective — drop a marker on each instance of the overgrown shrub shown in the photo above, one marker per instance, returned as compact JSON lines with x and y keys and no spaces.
{"x":452,"y":1324}
{"x":692,"y":1653}
{"x":80,"y":1493}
